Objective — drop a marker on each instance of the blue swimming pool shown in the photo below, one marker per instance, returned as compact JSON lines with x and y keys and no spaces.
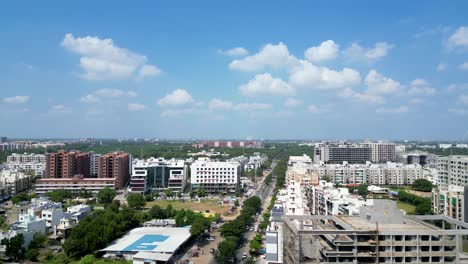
{"x":146,"y":242}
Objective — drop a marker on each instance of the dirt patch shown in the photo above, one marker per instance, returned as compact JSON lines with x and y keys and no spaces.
{"x":212,"y":205}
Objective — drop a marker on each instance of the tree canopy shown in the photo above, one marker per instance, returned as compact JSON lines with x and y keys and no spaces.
{"x":422,"y":185}
{"x":136,"y":201}
{"x":106,"y":195}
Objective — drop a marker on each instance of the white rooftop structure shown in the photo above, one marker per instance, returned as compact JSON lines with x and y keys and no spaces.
{"x":161,"y":242}
{"x":299,"y":159}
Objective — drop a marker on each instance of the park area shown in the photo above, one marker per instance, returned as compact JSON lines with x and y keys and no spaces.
{"x":201,"y":206}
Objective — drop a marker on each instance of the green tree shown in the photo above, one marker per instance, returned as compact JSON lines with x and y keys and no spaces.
{"x":201,"y":192}
{"x":422,"y":185}
{"x":191,"y":194}
{"x":256,"y":244}
{"x":168,"y":192}
{"x":362,"y":189}
{"x":136,"y":201}
{"x":149,"y":198}
{"x":326,"y":178}
{"x":226,"y":251}
{"x":199,"y":226}
{"x":236,"y":203}
{"x":88,"y":259}
{"x":14,"y":246}
{"x":32,"y":254}
{"x":106,"y":195}
{"x":179,"y":194}
{"x":20,"y":197}
{"x":157,"y":212}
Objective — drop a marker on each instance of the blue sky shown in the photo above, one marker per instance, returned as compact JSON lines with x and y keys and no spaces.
{"x":235,"y":69}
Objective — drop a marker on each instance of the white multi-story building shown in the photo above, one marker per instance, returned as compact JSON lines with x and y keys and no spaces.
{"x":93,"y":163}
{"x":255,"y":162}
{"x":450,"y":201}
{"x":299,"y":159}
{"x":158,"y":174}
{"x":215,"y":176}
{"x":27,"y":162}
{"x":339,"y":151}
{"x":43,"y":208}
{"x":453,"y":170}
{"x":389,"y":173}
{"x":14,"y":181}
{"x":325,"y":199}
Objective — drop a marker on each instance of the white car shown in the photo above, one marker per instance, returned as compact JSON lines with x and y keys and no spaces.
{"x":210,"y":238}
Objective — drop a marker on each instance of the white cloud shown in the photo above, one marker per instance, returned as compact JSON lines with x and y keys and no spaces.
{"x":271,"y":55}
{"x":218,"y":104}
{"x":306,"y":74}
{"x":463,"y":99}
{"x":459,"y":38}
{"x":421,"y":87}
{"x":265,"y":84}
{"x":101,"y":59}
{"x":18,"y":99}
{"x":89,"y":99}
{"x":378,"y":84}
{"x":327,"y":50}
{"x":454,"y":87}
{"x":441,"y":67}
{"x":60,"y":108}
{"x":177,"y":97}
{"x":463,"y":66}
{"x":136,"y":107}
{"x":356,"y":52}
{"x":183,"y":112}
{"x":292,"y":102}
{"x":132,"y":94}
{"x":398,"y":110}
{"x":109,"y":92}
{"x":252,"y":106}
{"x":458,"y":111}
{"x":416,"y":101}
{"x":361,"y":97}
{"x":148,"y":71}
{"x":234,"y":52}
{"x":315,"y":109}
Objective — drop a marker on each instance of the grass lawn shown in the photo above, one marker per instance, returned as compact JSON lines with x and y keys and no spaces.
{"x":194,"y":205}
{"x":408,"y":208}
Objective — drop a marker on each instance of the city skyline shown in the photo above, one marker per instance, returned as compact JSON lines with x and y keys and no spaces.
{"x":235,"y":70}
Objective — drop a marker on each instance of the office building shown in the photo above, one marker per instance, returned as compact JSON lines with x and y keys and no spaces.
{"x":115,"y":166}
{"x":379,"y":234}
{"x":215,"y":176}
{"x":64,"y":164}
{"x":453,"y":170}
{"x":158,"y":174}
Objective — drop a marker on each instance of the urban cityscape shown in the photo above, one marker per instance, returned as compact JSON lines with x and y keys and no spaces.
{"x":215,"y":132}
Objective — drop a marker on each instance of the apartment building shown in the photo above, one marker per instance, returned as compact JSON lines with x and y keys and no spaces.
{"x":301,"y":173}
{"x":114,"y":166}
{"x":379,"y":234}
{"x":27,"y":162}
{"x":158,"y":174}
{"x":94,"y":164}
{"x":453,"y":170}
{"x":325,"y":199}
{"x":389,"y":173}
{"x":299,"y":159}
{"x":13,"y":182}
{"x":337,"y":152}
{"x":63,"y":164}
{"x":215,"y":176}
{"x":451,"y":201}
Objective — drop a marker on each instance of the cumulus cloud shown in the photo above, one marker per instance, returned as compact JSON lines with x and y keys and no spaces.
{"x":441,"y":67}
{"x":252,"y":106}
{"x":136,"y":107}
{"x":361,"y":97}
{"x":458,"y":39}
{"x":421,"y":87}
{"x":18,"y":99}
{"x":327,"y":50}
{"x":265,"y":84}
{"x":271,"y":55}
{"x":101,"y":59}
{"x":315,"y":109}
{"x":306,"y":74}
{"x":60,"y":108}
{"x":177,"y":97}
{"x":292,"y":102}
{"x":356,"y":52}
{"x":397,"y":110}
{"x":378,"y":84}
{"x":463,"y":99}
{"x":89,"y":99}
{"x":218,"y":104}
{"x":463,"y":66}
{"x":234,"y":52}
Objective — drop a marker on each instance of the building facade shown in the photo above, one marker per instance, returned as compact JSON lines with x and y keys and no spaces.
{"x":215,"y":176}
{"x":115,"y":166}
{"x":27,"y":162}
{"x":451,"y":201}
{"x":338,"y":152}
{"x":64,"y":164}
{"x":453,"y":170}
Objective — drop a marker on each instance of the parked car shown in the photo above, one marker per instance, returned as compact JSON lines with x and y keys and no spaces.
{"x":210,"y":238}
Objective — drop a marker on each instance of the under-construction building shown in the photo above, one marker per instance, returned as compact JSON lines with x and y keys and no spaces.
{"x":380,"y":234}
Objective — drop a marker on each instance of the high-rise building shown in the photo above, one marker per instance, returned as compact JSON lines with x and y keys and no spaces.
{"x":114,"y":165}
{"x":337,"y":152}
{"x":215,"y":176}
{"x":64,"y":164}
{"x":453,"y":170}
{"x":4,"y":139}
{"x":93,"y":163}
{"x":451,"y":201}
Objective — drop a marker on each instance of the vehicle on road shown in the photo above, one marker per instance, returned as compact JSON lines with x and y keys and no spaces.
{"x":244,"y":256}
{"x":210,"y":239}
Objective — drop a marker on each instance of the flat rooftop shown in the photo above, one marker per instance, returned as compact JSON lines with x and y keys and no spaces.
{"x":358,"y":223}
{"x":151,"y":239}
